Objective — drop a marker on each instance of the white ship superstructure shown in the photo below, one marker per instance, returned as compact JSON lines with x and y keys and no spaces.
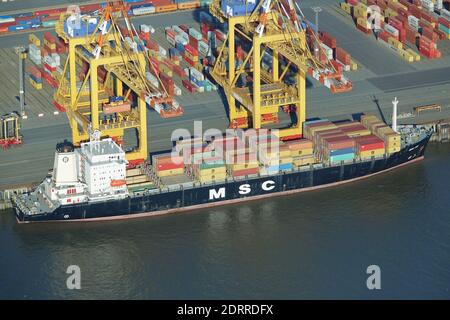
{"x":95,"y":171}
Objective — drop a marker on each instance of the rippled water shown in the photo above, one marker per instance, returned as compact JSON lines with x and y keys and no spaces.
{"x":311,"y":245}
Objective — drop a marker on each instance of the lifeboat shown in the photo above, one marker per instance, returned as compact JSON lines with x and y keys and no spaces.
{"x":118,"y":183}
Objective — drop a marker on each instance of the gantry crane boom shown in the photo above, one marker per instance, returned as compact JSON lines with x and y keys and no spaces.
{"x":270,"y":27}
{"x":111,"y":91}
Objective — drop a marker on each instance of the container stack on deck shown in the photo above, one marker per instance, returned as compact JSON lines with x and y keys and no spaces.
{"x":419,"y":24}
{"x":345,"y":141}
{"x":240,"y":157}
{"x":137,"y":181}
{"x":167,"y":165}
{"x":378,"y":128}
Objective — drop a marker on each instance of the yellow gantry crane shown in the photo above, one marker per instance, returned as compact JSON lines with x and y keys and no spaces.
{"x":268,"y":27}
{"x":103,"y":86}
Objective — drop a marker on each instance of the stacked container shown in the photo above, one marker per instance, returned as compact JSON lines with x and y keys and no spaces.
{"x":369,"y":146}
{"x":392,"y":140}
{"x":211,"y":169}
{"x":34,"y":49}
{"x":35,"y":77}
{"x":167,"y":165}
{"x":302,"y":152}
{"x":337,"y":149}
{"x":189,"y":147}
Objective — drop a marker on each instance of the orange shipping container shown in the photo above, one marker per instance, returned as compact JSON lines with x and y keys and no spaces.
{"x":166,"y":8}
{"x":189,"y":5}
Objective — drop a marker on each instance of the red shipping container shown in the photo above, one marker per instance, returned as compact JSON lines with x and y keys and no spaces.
{"x":245,"y":172}
{"x":327,"y":40}
{"x":384,"y":35}
{"x":336,"y":66}
{"x":411,"y":35}
{"x":353,"y":128}
{"x":90,"y":7}
{"x":34,"y":71}
{"x":170,"y":33}
{"x":169,"y":166}
{"x":167,"y":63}
{"x":193,"y":42}
{"x":428,"y":17}
{"x":342,"y":56}
{"x":154,"y":65}
{"x":179,"y":71}
{"x":152,"y":45}
{"x":7,"y":24}
{"x":49,"y":68}
{"x":167,"y":82}
{"x":49,"y":37}
{"x":189,"y":86}
{"x":189,"y":48}
{"x":444,"y":22}
{"x":189,"y":61}
{"x":184,"y":27}
{"x":339,"y":143}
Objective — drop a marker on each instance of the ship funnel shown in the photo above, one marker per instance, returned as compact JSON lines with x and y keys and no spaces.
{"x":394,"y":114}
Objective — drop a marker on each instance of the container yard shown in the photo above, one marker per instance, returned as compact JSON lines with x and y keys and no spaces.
{"x":410,"y":28}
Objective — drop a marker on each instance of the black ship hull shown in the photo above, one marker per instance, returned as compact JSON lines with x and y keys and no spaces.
{"x":230,"y":192}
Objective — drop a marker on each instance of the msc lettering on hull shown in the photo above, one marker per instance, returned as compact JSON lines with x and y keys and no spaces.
{"x":244,"y":189}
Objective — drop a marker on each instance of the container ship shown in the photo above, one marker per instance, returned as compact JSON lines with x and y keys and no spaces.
{"x":92,"y":182}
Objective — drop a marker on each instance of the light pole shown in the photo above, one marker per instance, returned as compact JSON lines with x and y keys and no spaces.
{"x":21,"y":51}
{"x":317,"y":10}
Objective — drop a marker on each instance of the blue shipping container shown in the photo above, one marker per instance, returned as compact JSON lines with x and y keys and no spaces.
{"x":37,"y":80}
{"x":19,"y":28}
{"x":343,"y":157}
{"x":340,"y":152}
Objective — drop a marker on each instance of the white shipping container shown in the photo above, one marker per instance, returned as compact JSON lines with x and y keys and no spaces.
{"x":328,"y":51}
{"x":182,"y":40}
{"x":36,"y":59}
{"x":391,"y":29}
{"x":196,"y":74}
{"x":203,"y":48}
{"x":56,"y":58}
{"x":143,"y":10}
{"x":413,"y":22}
{"x":50,"y":61}
{"x":153,"y":80}
{"x":195,"y":34}
{"x":177,"y":90}
{"x":445,"y":14}
{"x":162,"y":51}
{"x":428,"y":5}
{"x":145,"y":28}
